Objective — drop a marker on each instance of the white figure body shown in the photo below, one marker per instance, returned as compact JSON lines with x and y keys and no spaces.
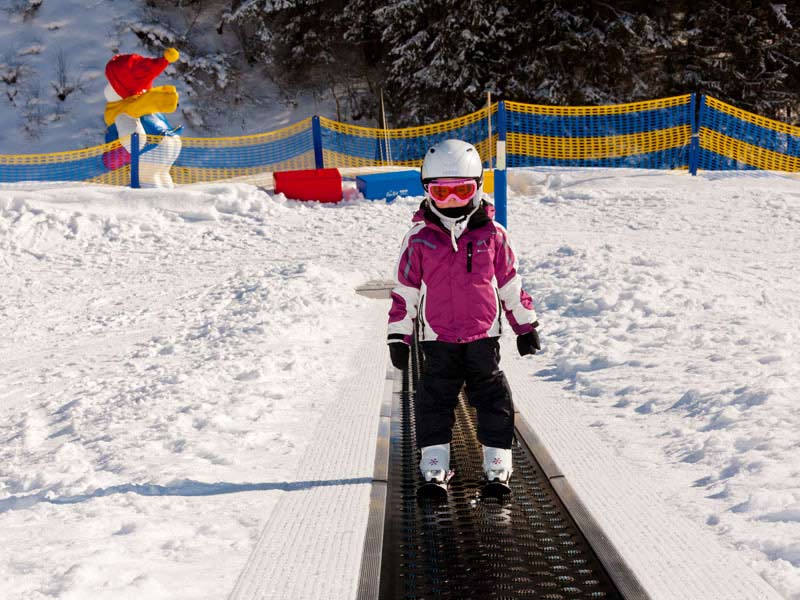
{"x":154,"y":164}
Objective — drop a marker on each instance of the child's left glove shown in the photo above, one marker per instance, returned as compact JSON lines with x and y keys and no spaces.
{"x":399,"y":353}
{"x":528,"y":343}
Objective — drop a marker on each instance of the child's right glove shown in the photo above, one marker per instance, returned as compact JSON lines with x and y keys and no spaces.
{"x":528,"y":343}
{"x":399,"y":352}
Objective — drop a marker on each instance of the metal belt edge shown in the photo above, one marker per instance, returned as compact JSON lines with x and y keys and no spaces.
{"x":618,"y":570}
{"x":369,"y":578}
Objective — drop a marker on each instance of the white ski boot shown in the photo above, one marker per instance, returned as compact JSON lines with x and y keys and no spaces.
{"x":435,"y":463}
{"x":435,"y":468}
{"x":497,"y":465}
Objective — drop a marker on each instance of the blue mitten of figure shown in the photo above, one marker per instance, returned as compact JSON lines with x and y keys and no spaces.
{"x":528,"y":343}
{"x":399,"y":352}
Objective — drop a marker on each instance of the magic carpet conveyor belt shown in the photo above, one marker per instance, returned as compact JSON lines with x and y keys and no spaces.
{"x":524,"y":545}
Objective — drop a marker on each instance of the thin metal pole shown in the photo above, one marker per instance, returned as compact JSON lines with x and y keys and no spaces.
{"x":696,"y":121}
{"x":489,"y":121}
{"x":386,"y":132}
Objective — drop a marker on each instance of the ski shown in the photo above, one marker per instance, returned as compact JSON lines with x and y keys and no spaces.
{"x":496,"y":489}
{"x":435,"y":490}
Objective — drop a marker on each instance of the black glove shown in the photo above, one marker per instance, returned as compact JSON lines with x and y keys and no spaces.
{"x":399,"y":352}
{"x":528,"y":343}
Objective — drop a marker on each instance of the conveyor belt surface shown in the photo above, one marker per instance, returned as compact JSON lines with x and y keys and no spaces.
{"x":477,"y":546}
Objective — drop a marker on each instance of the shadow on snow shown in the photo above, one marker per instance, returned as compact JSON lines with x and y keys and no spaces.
{"x":179,"y":488}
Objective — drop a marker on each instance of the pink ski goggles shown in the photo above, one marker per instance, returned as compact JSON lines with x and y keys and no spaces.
{"x":452,"y":193}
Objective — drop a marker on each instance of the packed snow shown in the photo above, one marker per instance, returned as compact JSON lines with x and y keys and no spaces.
{"x":166,"y":358}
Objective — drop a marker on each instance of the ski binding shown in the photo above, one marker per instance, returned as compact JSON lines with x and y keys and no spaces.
{"x":496,"y":488}
{"x":435,"y":490}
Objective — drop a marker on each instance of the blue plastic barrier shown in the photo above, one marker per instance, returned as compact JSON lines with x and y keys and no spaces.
{"x":388,"y":186}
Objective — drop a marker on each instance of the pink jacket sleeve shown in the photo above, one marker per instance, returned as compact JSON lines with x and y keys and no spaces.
{"x":405,"y":294}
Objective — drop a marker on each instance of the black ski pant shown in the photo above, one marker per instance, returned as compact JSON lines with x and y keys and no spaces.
{"x":446,"y":368}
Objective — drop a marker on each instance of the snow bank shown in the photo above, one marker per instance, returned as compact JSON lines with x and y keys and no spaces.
{"x":668,"y":314}
{"x":166,"y":358}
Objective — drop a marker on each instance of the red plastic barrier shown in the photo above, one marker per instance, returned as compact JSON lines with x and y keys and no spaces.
{"x":324,"y":185}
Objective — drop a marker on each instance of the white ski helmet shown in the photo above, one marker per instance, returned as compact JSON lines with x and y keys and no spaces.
{"x":452,"y":158}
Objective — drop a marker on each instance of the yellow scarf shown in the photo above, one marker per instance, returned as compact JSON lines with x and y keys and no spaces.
{"x":163,"y":99}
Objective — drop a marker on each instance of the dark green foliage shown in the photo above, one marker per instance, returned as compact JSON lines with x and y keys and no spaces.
{"x":746,"y":53}
{"x":437,"y":59}
{"x":306,"y":44}
{"x":444,"y":56}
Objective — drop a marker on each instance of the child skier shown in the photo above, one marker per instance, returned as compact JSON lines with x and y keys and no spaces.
{"x":456,"y":271}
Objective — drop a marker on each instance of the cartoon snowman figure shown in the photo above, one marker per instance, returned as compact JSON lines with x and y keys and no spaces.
{"x":135,"y":106}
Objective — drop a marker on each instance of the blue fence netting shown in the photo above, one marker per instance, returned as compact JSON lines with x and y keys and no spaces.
{"x":687,"y":132}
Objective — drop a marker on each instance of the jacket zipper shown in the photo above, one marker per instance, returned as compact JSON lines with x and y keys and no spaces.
{"x":469,"y":257}
{"x":499,"y":311}
{"x":421,"y":315}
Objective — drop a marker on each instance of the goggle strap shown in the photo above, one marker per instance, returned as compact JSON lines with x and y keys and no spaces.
{"x":426,"y":182}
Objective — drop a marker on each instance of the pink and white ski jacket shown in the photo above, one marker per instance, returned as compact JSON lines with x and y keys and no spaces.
{"x":457,"y":295}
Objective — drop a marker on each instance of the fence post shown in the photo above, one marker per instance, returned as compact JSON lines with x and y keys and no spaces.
{"x":694,"y":144}
{"x":316,"y":132}
{"x":135,"y":160}
{"x":500,"y":192}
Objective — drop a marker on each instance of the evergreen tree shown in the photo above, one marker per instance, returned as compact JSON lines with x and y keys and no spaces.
{"x":745,"y":53}
{"x":280,"y":38}
{"x":302,"y":45}
{"x":593,"y":53}
{"x":444,"y":56}
{"x":362,"y":38}
{"x":438,"y":59}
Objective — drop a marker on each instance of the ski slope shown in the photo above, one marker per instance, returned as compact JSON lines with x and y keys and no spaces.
{"x":166,"y":360}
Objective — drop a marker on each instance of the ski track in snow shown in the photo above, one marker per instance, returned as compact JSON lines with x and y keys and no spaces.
{"x":166,"y":356}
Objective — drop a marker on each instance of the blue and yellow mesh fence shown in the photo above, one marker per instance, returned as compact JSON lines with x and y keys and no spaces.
{"x":313,"y":142}
{"x":655,"y":134}
{"x":731,"y":138}
{"x":352,"y":146}
{"x":225,"y":158}
{"x":199,"y":159}
{"x":74,"y":165}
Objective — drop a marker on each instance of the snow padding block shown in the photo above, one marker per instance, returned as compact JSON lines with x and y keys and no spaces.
{"x":388,"y":186}
{"x":323,"y":185}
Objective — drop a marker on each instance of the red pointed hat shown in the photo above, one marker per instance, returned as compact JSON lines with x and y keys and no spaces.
{"x":131,"y":74}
